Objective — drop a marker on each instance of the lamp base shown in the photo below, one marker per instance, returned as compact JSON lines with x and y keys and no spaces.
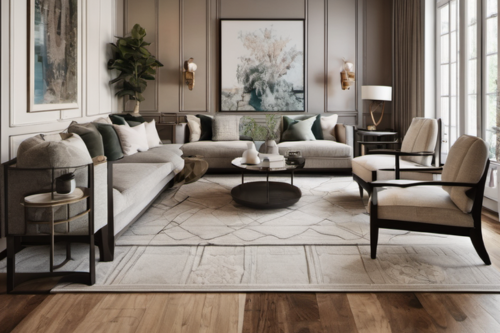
{"x":371,"y":128}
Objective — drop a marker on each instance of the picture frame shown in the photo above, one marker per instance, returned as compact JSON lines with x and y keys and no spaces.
{"x":262,"y":65}
{"x":54,"y":81}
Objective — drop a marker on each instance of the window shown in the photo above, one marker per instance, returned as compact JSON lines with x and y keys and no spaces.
{"x":490,"y":77}
{"x":467,"y":71}
{"x":448,"y":72}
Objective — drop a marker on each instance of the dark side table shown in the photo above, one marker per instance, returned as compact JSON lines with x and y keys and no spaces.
{"x":381,"y":139}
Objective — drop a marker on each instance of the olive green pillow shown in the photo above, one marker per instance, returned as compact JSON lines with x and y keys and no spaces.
{"x":90,"y":135}
{"x":316,"y":127}
{"x":299,"y":130}
{"x":111,"y":142}
{"x":117,"y":120}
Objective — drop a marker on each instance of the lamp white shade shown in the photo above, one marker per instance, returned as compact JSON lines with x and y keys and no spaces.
{"x":376,"y":93}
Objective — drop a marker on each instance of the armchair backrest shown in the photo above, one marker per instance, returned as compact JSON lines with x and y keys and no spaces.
{"x":421,"y":136}
{"x":466,"y":163}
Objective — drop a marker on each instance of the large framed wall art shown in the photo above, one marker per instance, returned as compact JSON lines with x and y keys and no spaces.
{"x":53,"y":55}
{"x":262,"y":65}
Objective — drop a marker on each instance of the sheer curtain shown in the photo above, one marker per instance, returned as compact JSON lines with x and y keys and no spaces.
{"x":408,"y":64}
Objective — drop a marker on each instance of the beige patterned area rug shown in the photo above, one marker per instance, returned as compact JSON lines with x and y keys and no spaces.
{"x":198,"y":239}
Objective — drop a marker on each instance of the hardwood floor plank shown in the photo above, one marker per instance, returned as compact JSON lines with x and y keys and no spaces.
{"x":441,"y":316}
{"x":489,"y":302}
{"x":192,"y":309}
{"x":220,"y":313}
{"x":368,"y":314}
{"x":60,"y":313}
{"x":335,"y":312}
{"x":154,"y":317}
{"x":15,"y":308}
{"x":479,"y":319}
{"x":112,"y":320}
{"x":126,"y":301}
{"x":261,"y":314}
{"x":405,"y":313}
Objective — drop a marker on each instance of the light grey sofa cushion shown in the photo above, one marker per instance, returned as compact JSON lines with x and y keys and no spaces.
{"x":161,"y":154}
{"x":230,"y":149}
{"x":133,"y":180}
{"x":226,"y":128}
{"x":318,"y":148}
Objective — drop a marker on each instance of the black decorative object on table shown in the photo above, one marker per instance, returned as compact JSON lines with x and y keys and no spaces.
{"x":66,"y":183}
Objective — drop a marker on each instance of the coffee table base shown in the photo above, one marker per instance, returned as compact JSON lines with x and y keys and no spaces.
{"x":266,"y":195}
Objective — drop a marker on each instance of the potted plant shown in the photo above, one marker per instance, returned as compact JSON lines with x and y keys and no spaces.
{"x":135,"y":63}
{"x":267,"y":132}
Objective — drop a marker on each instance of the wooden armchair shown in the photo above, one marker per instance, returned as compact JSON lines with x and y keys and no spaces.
{"x":412,"y":161}
{"x":451,"y":206}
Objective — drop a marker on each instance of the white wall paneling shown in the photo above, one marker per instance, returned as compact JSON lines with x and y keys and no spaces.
{"x":97,"y":28}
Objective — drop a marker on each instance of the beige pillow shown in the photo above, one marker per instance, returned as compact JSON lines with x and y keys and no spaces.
{"x":132,"y":139}
{"x":328,"y":126}
{"x":226,"y":128}
{"x":152,"y":134}
{"x":103,"y":120}
{"x":194,"y":124}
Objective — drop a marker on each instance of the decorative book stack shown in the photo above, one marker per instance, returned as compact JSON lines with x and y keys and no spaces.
{"x":272,"y":161}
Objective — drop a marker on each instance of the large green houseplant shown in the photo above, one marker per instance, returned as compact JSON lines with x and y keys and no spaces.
{"x":135,"y":63}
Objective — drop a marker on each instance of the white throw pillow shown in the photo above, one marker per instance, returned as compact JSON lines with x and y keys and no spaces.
{"x":152,"y":134}
{"x":132,"y":139}
{"x":226,"y":128}
{"x":328,"y":126}
{"x":194,"y":124}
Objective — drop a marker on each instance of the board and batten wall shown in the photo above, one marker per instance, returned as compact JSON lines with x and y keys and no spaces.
{"x":358,"y":30}
{"x":100,"y":21}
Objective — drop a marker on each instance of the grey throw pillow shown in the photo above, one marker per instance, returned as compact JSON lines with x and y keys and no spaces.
{"x":300,"y":130}
{"x":226,"y":128}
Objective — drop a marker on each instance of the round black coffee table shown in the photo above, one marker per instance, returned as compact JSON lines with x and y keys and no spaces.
{"x":265,"y":194}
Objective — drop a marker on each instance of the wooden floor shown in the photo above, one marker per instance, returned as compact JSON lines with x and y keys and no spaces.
{"x":260,"y":312}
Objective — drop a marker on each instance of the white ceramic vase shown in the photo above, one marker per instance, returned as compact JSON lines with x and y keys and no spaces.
{"x":251,"y":155}
{"x":270,"y":147}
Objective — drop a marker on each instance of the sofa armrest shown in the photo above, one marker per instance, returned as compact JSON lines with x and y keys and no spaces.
{"x":345,"y":134}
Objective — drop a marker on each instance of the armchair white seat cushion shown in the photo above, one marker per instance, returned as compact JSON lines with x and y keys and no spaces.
{"x":364,"y":166}
{"x":424,"y":204}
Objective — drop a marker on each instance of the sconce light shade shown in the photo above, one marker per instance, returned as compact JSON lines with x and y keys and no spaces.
{"x":347,"y":76}
{"x":376,"y":93}
{"x":189,"y":68}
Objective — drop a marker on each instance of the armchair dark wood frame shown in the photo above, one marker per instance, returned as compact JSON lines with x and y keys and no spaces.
{"x":397,"y":170}
{"x":476,"y":192}
{"x":15,"y":243}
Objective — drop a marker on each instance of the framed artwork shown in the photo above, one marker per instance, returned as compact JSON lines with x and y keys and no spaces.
{"x":53,"y":55}
{"x":262,"y":65}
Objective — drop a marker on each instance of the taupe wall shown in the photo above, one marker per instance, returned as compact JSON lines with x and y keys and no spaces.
{"x":357,"y":30}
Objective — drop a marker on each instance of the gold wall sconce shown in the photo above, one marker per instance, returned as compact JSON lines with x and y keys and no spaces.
{"x":347,"y":76}
{"x":189,"y":68}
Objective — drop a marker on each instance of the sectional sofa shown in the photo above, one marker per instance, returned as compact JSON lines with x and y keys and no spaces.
{"x":321,"y":155}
